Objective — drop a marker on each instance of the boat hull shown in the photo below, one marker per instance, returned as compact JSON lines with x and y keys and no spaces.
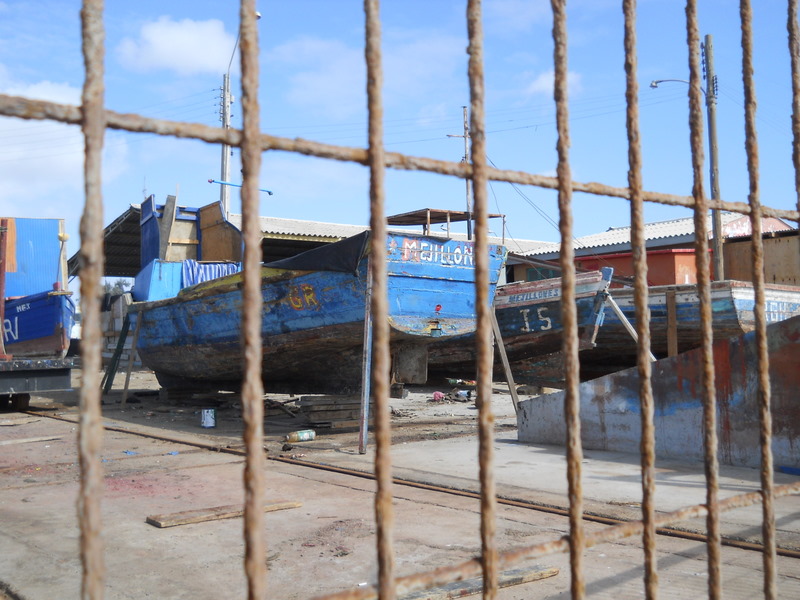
{"x":732,"y":307}
{"x":39,"y":325}
{"x":530,"y":322}
{"x":313,"y":321}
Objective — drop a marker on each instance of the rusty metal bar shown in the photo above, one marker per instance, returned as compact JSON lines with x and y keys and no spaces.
{"x":483,"y":304}
{"x":569,"y":345}
{"x":94,"y":119}
{"x":16,"y":106}
{"x":510,"y":558}
{"x":384,"y":513}
{"x":639,"y":248}
{"x":252,"y":386}
{"x":704,"y":292}
{"x":793,"y":29}
{"x":90,"y":432}
{"x":764,"y":392}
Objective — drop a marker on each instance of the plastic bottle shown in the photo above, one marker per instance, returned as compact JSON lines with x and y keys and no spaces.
{"x":304,"y":435}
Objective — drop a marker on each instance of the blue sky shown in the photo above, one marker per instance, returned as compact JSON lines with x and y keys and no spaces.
{"x":166,"y":60}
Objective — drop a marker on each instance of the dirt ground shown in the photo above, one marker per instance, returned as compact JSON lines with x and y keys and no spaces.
{"x":415,"y":416}
{"x":158,"y":459}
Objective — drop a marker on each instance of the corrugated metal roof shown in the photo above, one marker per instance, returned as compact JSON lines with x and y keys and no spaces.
{"x":306,"y":230}
{"x":288,"y":228}
{"x":618,"y":239}
{"x":122,"y":239}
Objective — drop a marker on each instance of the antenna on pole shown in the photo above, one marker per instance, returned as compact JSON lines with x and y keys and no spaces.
{"x":467,"y":180}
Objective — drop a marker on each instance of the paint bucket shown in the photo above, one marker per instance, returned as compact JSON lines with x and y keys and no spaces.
{"x":208,"y":417}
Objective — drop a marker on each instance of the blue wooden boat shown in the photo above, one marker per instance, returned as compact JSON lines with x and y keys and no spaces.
{"x":38,"y":314}
{"x":530,"y":325}
{"x":732,"y":305}
{"x":313,"y":317}
{"x":39,"y":325}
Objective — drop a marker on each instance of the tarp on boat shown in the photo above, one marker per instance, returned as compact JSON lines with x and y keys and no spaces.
{"x":342,"y":256}
{"x":193,"y":272}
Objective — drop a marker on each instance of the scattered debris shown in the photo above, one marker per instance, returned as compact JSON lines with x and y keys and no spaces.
{"x":455,"y":395}
{"x":304,"y":435}
{"x":438,"y":397}
{"x":401,"y":414}
{"x":398,"y":390}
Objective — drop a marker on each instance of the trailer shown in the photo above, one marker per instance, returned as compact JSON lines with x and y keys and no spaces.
{"x":19,"y":377}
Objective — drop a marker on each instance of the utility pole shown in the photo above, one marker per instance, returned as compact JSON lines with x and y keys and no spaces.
{"x":225,"y":114}
{"x":711,"y":107}
{"x":225,"y":165}
{"x":467,"y":179}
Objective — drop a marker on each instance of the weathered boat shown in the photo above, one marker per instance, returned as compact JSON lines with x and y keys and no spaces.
{"x":38,"y":314}
{"x":313,"y":316}
{"x":530,"y":325}
{"x":39,"y":325}
{"x":611,"y":407}
{"x":675,"y":319}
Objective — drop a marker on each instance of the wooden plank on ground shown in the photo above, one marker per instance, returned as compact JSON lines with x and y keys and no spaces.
{"x":348,"y":424}
{"x":470,"y":587}
{"x":201,"y":515}
{"x":328,"y":400}
{"x":333,"y":415}
{"x":306,"y":407}
{"x":27,"y":440}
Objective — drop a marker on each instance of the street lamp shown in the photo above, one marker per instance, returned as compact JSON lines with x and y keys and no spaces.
{"x":227,"y":99}
{"x":711,"y":109}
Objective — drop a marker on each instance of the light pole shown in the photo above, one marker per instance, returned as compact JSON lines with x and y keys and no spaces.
{"x":225,"y":116}
{"x":711,"y":110}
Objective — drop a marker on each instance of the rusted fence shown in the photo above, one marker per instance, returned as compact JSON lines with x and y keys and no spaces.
{"x":95,"y":119}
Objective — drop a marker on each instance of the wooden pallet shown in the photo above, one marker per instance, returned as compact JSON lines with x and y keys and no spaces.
{"x":335,"y":412}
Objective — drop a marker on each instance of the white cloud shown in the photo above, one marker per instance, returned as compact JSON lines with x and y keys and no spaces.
{"x":48,"y":90}
{"x":544,"y":83}
{"x":329,"y":77}
{"x":424,"y":66}
{"x":41,"y":162}
{"x":38,"y":158}
{"x":186,"y":47}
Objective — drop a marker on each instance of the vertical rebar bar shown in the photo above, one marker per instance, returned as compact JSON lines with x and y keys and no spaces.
{"x":793,"y":29}
{"x":639,"y":249}
{"x":764,"y":396}
{"x":90,"y":432}
{"x":568,"y":308}
{"x":252,"y":386}
{"x":381,"y":359}
{"x":483,"y":305}
{"x":704,"y":293}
